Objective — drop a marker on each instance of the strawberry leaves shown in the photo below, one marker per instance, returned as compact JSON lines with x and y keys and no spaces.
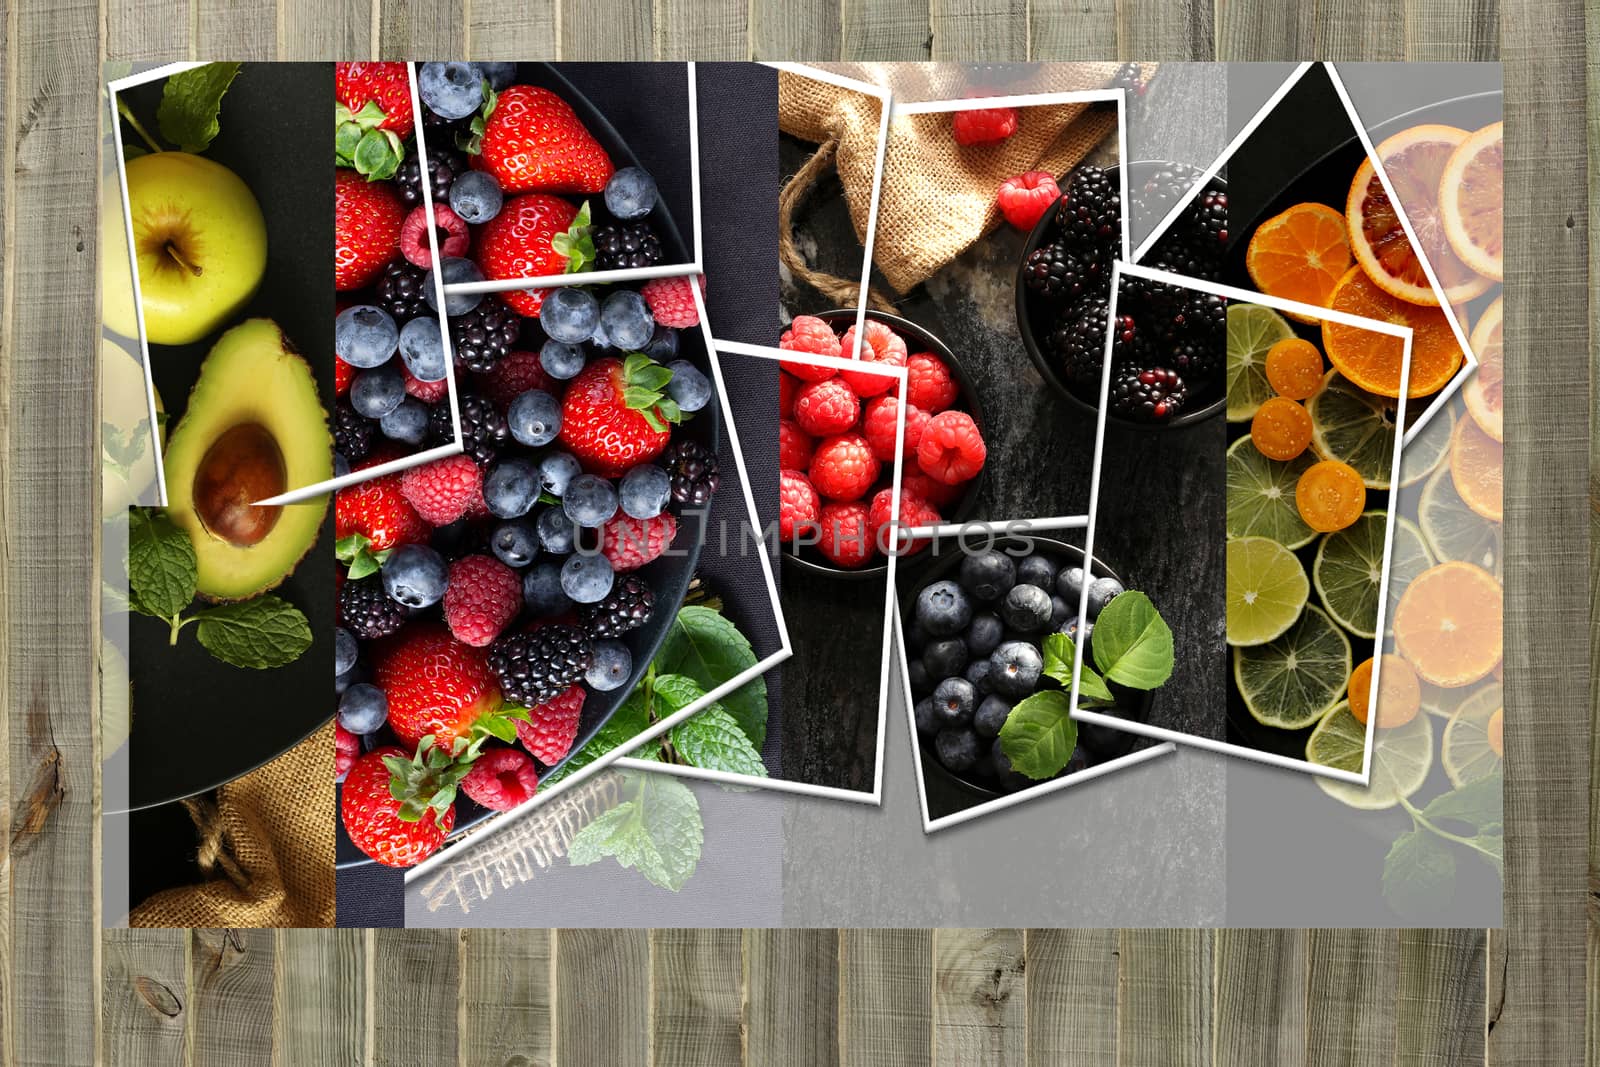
{"x":643,"y":390}
{"x":425,"y":782}
{"x":356,"y":553}
{"x":575,"y":245}
{"x":470,"y":140}
{"x":358,"y":142}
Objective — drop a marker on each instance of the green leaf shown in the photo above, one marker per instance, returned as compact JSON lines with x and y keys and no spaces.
{"x":1039,"y":735}
{"x":1092,"y":687}
{"x":356,"y":553}
{"x":629,"y":720}
{"x":378,"y":154}
{"x":1479,"y":803}
{"x":161,"y":563}
{"x":345,"y":139}
{"x":659,"y":833}
{"x":191,"y":103}
{"x":1058,"y":655}
{"x":1132,"y":643}
{"x":703,"y":645}
{"x":711,"y":739}
{"x":1418,"y":874}
{"x":262,"y":633}
{"x":576,"y":244}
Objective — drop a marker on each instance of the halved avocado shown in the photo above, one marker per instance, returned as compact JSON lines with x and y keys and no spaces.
{"x":254,"y":428}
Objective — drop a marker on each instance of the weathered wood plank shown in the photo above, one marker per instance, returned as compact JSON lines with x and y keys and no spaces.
{"x":1259,"y":30}
{"x":884,"y":29}
{"x":1440,"y":1006}
{"x":1081,"y":31}
{"x":320,"y":992}
{"x":421,"y":29}
{"x":512,"y":30}
{"x":885,"y":981}
{"x":1164,"y":29}
{"x":231,"y":972}
{"x":1261,"y":997}
{"x":979,"y":998}
{"x":148,"y":29}
{"x":326,"y":29}
{"x":791,"y":979}
{"x":602,"y":1001}
{"x":697,"y":986}
{"x":703,"y":29}
{"x":1164,"y":1005}
{"x":1072,"y":998}
{"x":225,"y":29}
{"x":1371,"y":30}
{"x":794,"y":29}
{"x":977,"y":30}
{"x":606,"y":30}
{"x":1440,"y":31}
{"x":1351,"y":988}
{"x":145,"y":992}
{"x":415,"y":982}
{"x":505,"y":997}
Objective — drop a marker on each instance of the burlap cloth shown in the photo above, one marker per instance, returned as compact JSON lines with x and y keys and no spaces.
{"x":266,"y":845}
{"x":937,"y":197}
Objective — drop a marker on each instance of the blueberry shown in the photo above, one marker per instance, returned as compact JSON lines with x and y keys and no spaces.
{"x":570,"y":314}
{"x":511,"y":488}
{"x":1061,"y":611}
{"x":611,"y":667}
{"x":344,"y":681}
{"x":958,"y":749}
{"x":476,"y":196}
{"x":922,"y":711}
{"x":601,"y":339}
{"x":556,"y":472}
{"x":689,"y":389}
{"x":1102,"y":591}
{"x":374,"y":393}
{"x":631,"y":193}
{"x":542,"y":594}
{"x":450,"y":90}
{"x":943,"y":609}
{"x":663,"y":344}
{"x":977,"y":673}
{"x":408,"y":422}
{"x":1075,"y":628}
{"x":1009,"y":778}
{"x":341,"y":466}
{"x":345,"y":650}
{"x":455,"y":271}
{"x":917,"y":676}
{"x":626,"y":319}
{"x":1016,"y":669}
{"x":498,"y":75}
{"x":363,"y":709}
{"x":991,"y":715}
{"x":984,"y":634}
{"x":1037,"y":570}
{"x":644,"y":490}
{"x":561,"y":360}
{"x":415,"y":576}
{"x":365,"y":336}
{"x":1026,"y":608}
{"x":945,"y":658}
{"x":1079,"y":760}
{"x":557,"y":535}
{"x":954,"y":700}
{"x":589,"y":500}
{"x":988,"y":575}
{"x":514,"y":543}
{"x":534,"y":418}
{"x":586,"y":578}
{"x":1069,"y":584}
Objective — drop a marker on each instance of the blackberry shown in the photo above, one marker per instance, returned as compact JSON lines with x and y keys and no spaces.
{"x":627,"y":607}
{"x":694,"y":472}
{"x":1070,"y":275}
{"x":625,"y":246}
{"x":533,"y":668}
{"x":1158,"y":190}
{"x":1090,"y":212}
{"x":443,"y":166}
{"x":1152,"y":395}
{"x":352,"y":434}
{"x":1079,"y":341}
{"x":1200,"y":316}
{"x":400,"y":291}
{"x":483,"y":336}
{"x":1205,"y":224}
{"x":366,"y":610}
{"x":1130,"y":76}
{"x":1199,"y":361}
{"x":1143,"y":296}
{"x":483,"y":428}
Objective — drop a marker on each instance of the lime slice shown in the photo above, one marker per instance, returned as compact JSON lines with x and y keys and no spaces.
{"x":1421,"y":456}
{"x":1290,"y":683}
{"x":1261,"y":496}
{"x":1453,"y":530}
{"x":1252,"y":329}
{"x":1466,"y":752}
{"x":1267,"y":587}
{"x":1401,"y":759}
{"x":1353,"y":426}
{"x":1348,"y":573}
{"x":1441,"y":702}
{"x":1408,"y":557}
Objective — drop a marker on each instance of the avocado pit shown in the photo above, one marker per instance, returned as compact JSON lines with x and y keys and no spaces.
{"x":242,"y":466}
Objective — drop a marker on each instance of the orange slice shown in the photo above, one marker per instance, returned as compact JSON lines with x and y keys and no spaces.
{"x":1496,"y":729}
{"x":1330,"y":495}
{"x":1477,"y":468}
{"x":1399,"y":696}
{"x":1448,"y":624}
{"x":1373,"y":360}
{"x":1471,"y":201}
{"x":1281,"y":429}
{"x":1485,"y":390}
{"x":1299,"y":255}
{"x":1294,"y":368}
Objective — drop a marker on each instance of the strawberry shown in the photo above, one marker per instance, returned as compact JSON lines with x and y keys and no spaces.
{"x":343,"y":375}
{"x":367,"y":217}
{"x":534,"y":236}
{"x":369,"y":519}
{"x":615,"y":414}
{"x":534,"y":141}
{"x":551,"y":727}
{"x":372,"y":118}
{"x":403,"y":830}
{"x":435,"y":685}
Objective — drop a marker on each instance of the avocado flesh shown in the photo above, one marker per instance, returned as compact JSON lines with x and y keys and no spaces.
{"x":254,"y":427}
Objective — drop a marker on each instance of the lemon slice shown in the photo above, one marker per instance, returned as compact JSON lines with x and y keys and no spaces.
{"x":1421,"y":457}
{"x":1401,"y":759}
{"x":1453,"y":530}
{"x":1290,"y":683}
{"x":1348,"y":573}
{"x":1267,"y":587}
{"x":1465,"y":752}
{"x":1261,"y":496}
{"x":1252,"y":330}
{"x":1353,"y":426}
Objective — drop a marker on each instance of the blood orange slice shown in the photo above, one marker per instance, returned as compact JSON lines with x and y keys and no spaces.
{"x":1373,"y":361}
{"x":1485,"y":390}
{"x":1299,"y":255}
{"x":1471,"y":201}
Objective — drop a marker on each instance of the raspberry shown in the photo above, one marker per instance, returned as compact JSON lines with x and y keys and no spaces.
{"x":879,"y":345}
{"x":444,"y":490}
{"x":845,"y":537}
{"x":343,"y":375}
{"x":827,"y":407}
{"x":934,"y":493}
{"x":482,"y":597}
{"x":811,"y":335}
{"x":427,"y":392}
{"x":552,"y":726}
{"x":672,"y":302}
{"x":878,"y":425}
{"x":795,"y":446}
{"x":914,"y":511}
{"x":414,"y":235}
{"x":797,"y":504}
{"x":844,"y":467}
{"x":788,"y":386}
{"x":513,"y":375}
{"x":1023,"y":200}
{"x":629,"y":543}
{"x":929,"y":384}
{"x":951,"y":450}
{"x":983,"y":125}
{"x":346,"y":750}
{"x":501,"y":779}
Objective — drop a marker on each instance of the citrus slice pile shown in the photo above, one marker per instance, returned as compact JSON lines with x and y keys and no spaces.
{"x":1401,"y":758}
{"x":1469,"y":752}
{"x":1252,"y":331}
{"x":1399,"y":694}
{"x":1291,"y":682}
{"x":1266,"y":590}
{"x":1448,"y":624}
{"x":1471,"y":207}
{"x":1354,"y":427}
{"x":1261,"y":496}
{"x":1299,"y":255}
{"x":1477,"y":469}
{"x":1374,"y":361}
{"x":1485,"y":390}
{"x":1348,"y":573}
{"x":1453,"y":530}
{"x":1421,"y":455}
{"x":1330,"y":495}
{"x":1409,"y":556}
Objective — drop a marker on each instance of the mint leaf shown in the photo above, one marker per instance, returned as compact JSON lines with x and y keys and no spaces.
{"x":711,"y":739}
{"x":261,"y":633}
{"x":1092,"y":687}
{"x":1418,"y":874}
{"x":659,"y":833}
{"x":705,"y":646}
{"x":1058,"y":654}
{"x":1132,"y":643}
{"x":191,"y":102}
{"x":161,"y":563}
{"x":1479,"y":803}
{"x":626,"y":723}
{"x":1038,"y":736}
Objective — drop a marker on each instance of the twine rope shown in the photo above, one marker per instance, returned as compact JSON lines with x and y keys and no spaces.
{"x":842,"y":292}
{"x":213,"y":852}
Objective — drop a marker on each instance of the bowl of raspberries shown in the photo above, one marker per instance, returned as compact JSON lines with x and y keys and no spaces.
{"x":836,"y":442}
{"x":1169,"y":343}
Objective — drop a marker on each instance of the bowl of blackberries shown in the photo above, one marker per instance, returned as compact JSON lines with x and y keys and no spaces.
{"x":975,"y":633}
{"x":1169,"y":345}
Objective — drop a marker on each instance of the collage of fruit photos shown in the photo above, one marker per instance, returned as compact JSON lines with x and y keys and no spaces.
{"x":588,"y":445}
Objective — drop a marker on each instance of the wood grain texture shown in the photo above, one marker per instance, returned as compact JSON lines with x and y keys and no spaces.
{"x":885,"y":982}
{"x":1072,"y":997}
{"x":979,"y":29}
{"x":789,"y":29}
{"x":1260,"y":990}
{"x":883,"y":29}
{"x":148,"y":29}
{"x":602,"y":997}
{"x":704,"y":29}
{"x":1439,"y":1012}
{"x":415,"y":976}
{"x":320,"y":997}
{"x":1442,"y":31}
{"x":145,"y":990}
{"x":231,"y":973}
{"x":421,"y":29}
{"x":1261,"y":30}
{"x":606,"y":29}
{"x":1351,"y":988}
{"x":1164,"y":1008}
{"x":1083,"y":31}
{"x":979,"y":998}
{"x":505,"y":997}
{"x":326,"y":29}
{"x":226,"y":29}
{"x":1361,"y":29}
{"x":1164,"y":29}
{"x":791,"y":979}
{"x":697,"y":997}
{"x":512,"y":30}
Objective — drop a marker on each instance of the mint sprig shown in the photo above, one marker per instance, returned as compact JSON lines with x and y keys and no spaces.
{"x":1420,"y":868}
{"x":657,"y":831}
{"x":260,"y":634}
{"x":189,"y":114}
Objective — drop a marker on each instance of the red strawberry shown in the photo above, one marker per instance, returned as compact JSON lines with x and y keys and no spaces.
{"x":514,"y":375}
{"x":367,"y":217}
{"x":435,"y":684}
{"x":629,"y":543}
{"x":343,"y":375}
{"x":501,"y":779}
{"x":613,"y":416}
{"x":379,"y":514}
{"x":398,"y":832}
{"x":373,"y":117}
{"x":444,"y":490}
{"x":534,"y":141}
{"x":520,"y":242}
{"x":482,"y":597}
{"x":551,"y":727}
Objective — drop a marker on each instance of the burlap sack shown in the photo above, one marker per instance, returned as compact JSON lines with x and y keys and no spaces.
{"x":267,"y":846}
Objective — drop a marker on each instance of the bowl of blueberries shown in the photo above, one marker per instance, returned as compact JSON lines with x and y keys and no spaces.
{"x":975,"y":628}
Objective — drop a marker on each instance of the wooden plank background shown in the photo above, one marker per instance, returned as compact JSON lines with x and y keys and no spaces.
{"x":615,"y":998}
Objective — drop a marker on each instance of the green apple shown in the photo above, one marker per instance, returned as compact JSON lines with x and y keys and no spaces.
{"x":116,"y":273}
{"x":200,"y":241}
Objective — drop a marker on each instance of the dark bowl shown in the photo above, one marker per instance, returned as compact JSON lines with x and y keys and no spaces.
{"x":1035,"y":318}
{"x":807,"y":557}
{"x":1101,"y":743}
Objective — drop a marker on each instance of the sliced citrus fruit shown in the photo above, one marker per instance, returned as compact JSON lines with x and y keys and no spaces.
{"x":1281,"y":429}
{"x":1399,"y":695}
{"x":1291,"y":682}
{"x":1497,"y":732}
{"x":1409,"y":556}
{"x":1453,"y":530}
{"x":1414,"y":159}
{"x":1401,"y":758}
{"x":1421,"y":455}
{"x":1471,"y":749}
{"x":1330,"y":495}
{"x":1477,"y":468}
{"x":1261,"y":496}
{"x":1294,"y":368}
{"x":1448,"y":624}
{"x":1267,"y":588}
{"x":1299,"y":255}
{"x":1485,"y":390}
{"x":1471,"y":201}
{"x":1348,"y":573}
{"x":1252,"y":331}
{"x":1374,"y":360}
{"x":1442,"y":703}
{"x":1352,"y":426}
